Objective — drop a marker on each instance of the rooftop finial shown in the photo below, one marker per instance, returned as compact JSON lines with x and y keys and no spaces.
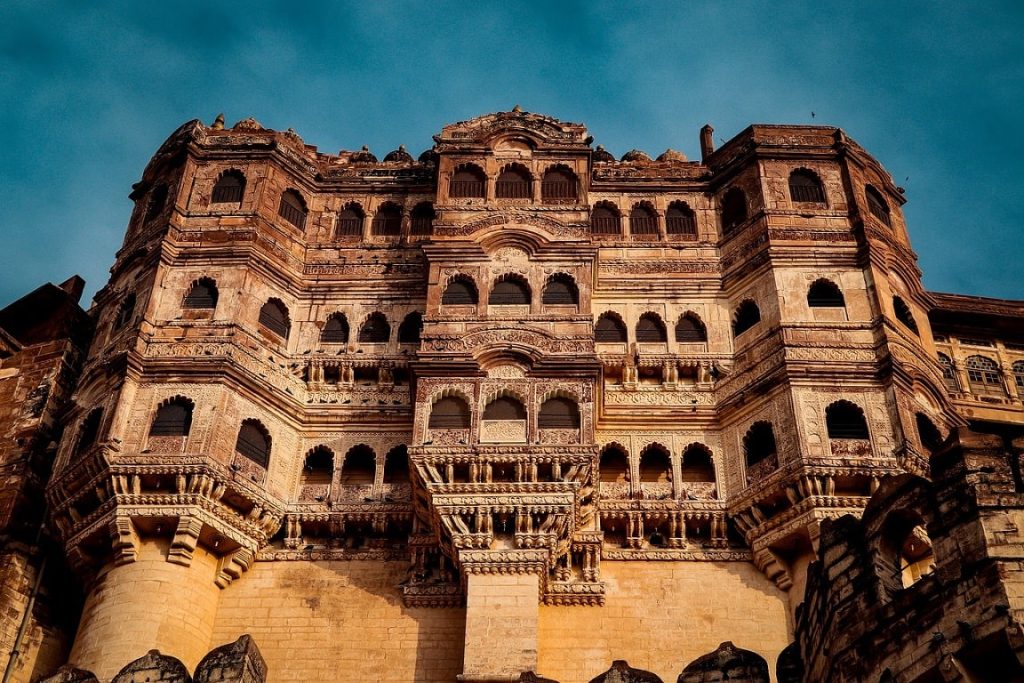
{"x":517,"y":109}
{"x":218,"y":123}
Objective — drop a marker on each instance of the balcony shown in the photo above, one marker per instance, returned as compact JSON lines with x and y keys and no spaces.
{"x":615,"y":490}
{"x":844,"y":448}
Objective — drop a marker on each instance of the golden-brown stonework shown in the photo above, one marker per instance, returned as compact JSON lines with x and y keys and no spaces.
{"x":511,"y":406}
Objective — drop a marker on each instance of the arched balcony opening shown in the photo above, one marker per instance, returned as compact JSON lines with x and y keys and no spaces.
{"x":847,"y":430}
{"x":397,"y":486}
{"x":358,"y":472}
{"x":760,"y":451}
{"x":614,"y":473}
{"x":655,"y":473}
{"x":170,"y":427}
{"x":317,"y":476}
{"x":503,"y":421}
{"x":697,"y":473}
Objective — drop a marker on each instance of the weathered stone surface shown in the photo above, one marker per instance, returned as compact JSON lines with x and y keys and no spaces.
{"x":237,"y":662}
{"x":727,"y":663}
{"x":622,"y":672}
{"x":70,"y":674}
{"x":153,"y":667}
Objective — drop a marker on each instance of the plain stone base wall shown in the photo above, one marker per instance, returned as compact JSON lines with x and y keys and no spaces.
{"x":501,"y":624}
{"x":341,"y":622}
{"x":148,"y":604}
{"x":660,"y":616}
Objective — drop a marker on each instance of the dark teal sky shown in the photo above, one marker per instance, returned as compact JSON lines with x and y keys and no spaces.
{"x":89,"y":90}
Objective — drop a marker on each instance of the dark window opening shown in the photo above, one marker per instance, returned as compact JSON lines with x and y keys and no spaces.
{"x":201,"y":295}
{"x":292,"y":208}
{"x":643,"y":220}
{"x":254,"y":442}
{"x":690,"y":329}
{"x":609,"y":330}
{"x":877,"y":205}
{"x":734,"y":209}
{"x":450,"y":412}
{"x":504,"y":408}
{"x":410,"y":329}
{"x":375,"y":330}
{"x":468,"y":183}
{"x":335,"y":330}
{"x":509,"y":292}
{"x":460,"y":292}
{"x":513,"y":183}
{"x":747,"y":315}
{"x":423,"y":216}
{"x":845,"y":420}
{"x":274,"y":317}
{"x":229,"y":188}
{"x":825,"y":294}
{"x":560,"y":291}
{"x":350,"y":223}
{"x":559,"y":185}
{"x":604,"y":220}
{"x":805,"y":186}
{"x":904,"y":315}
{"x":388,"y":221}
{"x":559,"y":413}
{"x":680,"y":220}
{"x":172,"y":419}
{"x":650,"y":329}
{"x":759,"y":443}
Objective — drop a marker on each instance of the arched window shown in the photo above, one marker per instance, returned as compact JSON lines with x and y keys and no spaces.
{"x":396,"y":466}
{"x":614,"y":465}
{"x":468,"y":182}
{"x":983,"y":374}
{"x":690,"y":329}
{"x":375,"y":330}
{"x":173,"y":418}
{"x":697,"y":464}
{"x":254,"y":442}
{"x":335,"y":330}
{"x":759,"y":443}
{"x":734,"y":209}
{"x":604,"y":220}
{"x":350,"y":222}
{"x":388,"y":220}
{"x":274,"y":317}
{"x":504,"y":408}
{"x":292,"y":208}
{"x":747,"y":315}
{"x":931,"y":437}
{"x":318,"y":468}
{"x":410,"y":329}
{"x":560,"y":290}
{"x":513,"y":183}
{"x":460,"y":292}
{"x":126,"y":311}
{"x":201,"y":295}
{"x":680,"y":220}
{"x":360,"y":467}
{"x":451,"y":412}
{"x":948,"y":374}
{"x":655,"y":465}
{"x":877,"y":205}
{"x":559,"y":413}
{"x":806,"y":187}
{"x":643,"y":220}
{"x":845,"y":420}
{"x":229,"y":189}
{"x":609,"y":329}
{"x":825,"y":294}
{"x":1018,"y":374}
{"x":559,"y":185}
{"x":509,"y":291}
{"x":903,"y":314}
{"x":423,"y":216}
{"x":157,"y":201}
{"x":650,"y":329}
{"x":90,"y":430}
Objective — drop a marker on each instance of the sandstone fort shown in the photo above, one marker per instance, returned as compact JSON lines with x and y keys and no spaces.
{"x":512,"y":410}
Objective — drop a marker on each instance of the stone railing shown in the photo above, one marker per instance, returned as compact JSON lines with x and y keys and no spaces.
{"x":314,"y":493}
{"x":447,"y":437}
{"x":762,"y":469}
{"x":616,"y":490}
{"x":698,"y":490}
{"x":357,"y":493}
{"x":397,"y":492}
{"x":559,"y":436}
{"x":851,"y":448}
{"x":656,"y":490}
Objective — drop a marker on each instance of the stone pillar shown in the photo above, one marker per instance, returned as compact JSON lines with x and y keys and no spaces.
{"x":502,"y":613}
{"x":148,"y":603}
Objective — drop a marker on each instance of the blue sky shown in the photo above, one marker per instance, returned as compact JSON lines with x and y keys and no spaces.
{"x":89,"y":90}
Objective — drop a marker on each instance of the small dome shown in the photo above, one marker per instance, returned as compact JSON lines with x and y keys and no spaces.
{"x":363,"y":156}
{"x":399,"y":155}
{"x":671,"y":155}
{"x":634,"y":156}
{"x":602,"y":156}
{"x":428,"y":157}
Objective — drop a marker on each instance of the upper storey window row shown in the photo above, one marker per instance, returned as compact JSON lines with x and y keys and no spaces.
{"x":389,"y":220}
{"x":645,"y":222}
{"x":557,"y":185}
{"x":511,"y":290}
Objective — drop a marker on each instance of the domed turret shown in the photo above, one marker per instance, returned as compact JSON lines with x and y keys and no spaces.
{"x":602,"y":156}
{"x":363,"y":156}
{"x":671,"y":155}
{"x":635,"y":156}
{"x":399,"y":155}
{"x":428,"y":156}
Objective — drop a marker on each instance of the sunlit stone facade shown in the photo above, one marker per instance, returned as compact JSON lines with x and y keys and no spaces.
{"x":513,"y":406}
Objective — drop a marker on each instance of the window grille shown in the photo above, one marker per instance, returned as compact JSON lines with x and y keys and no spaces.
{"x":335,"y":330}
{"x":513,"y":184}
{"x":274,"y":317}
{"x":449,"y":413}
{"x":877,"y":205}
{"x":505,"y":408}
{"x":173,"y":419}
{"x":643,"y":221}
{"x":254,"y":443}
{"x":559,"y":413}
{"x":558,"y":186}
{"x":422,"y":219}
{"x":459,"y":292}
{"x":805,"y":187}
{"x":948,"y":374}
{"x":680,"y":220}
{"x":904,"y":315}
{"x":468,"y":184}
{"x":388,"y":221}
{"x":734,"y":209}
{"x":509,"y":292}
{"x":983,"y":371}
{"x":609,"y":330}
{"x":201,"y":295}
{"x":350,"y":223}
{"x":292,"y":209}
{"x":229,"y":189}
{"x":690,"y":330}
{"x":560,"y":291}
{"x":605,"y":221}
{"x":649,"y":329}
